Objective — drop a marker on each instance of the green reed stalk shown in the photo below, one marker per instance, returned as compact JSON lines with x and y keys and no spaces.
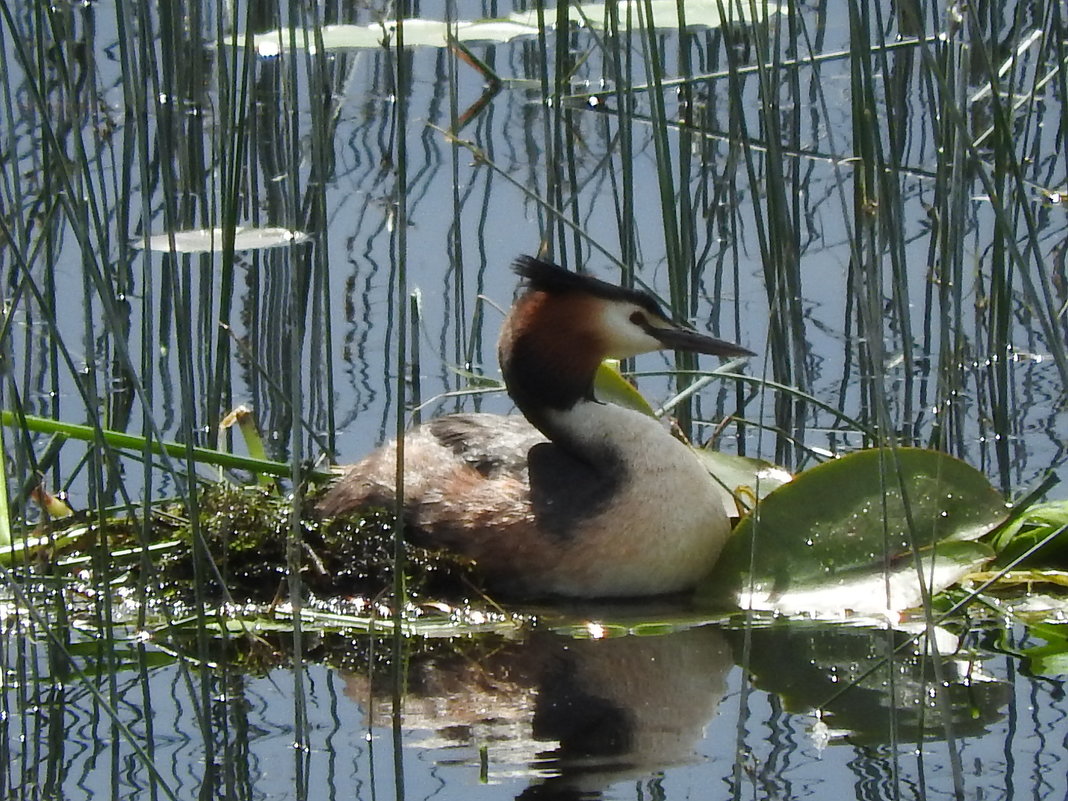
{"x":621,"y":63}
{"x":678,"y":262}
{"x":460,"y":349}
{"x":181,"y":176}
{"x":867,"y":271}
{"x":554,"y":186}
{"x":868,"y":141}
{"x":120,"y":440}
{"x":999,"y":312}
{"x":301,"y":19}
{"x":415,"y":399}
{"x":229,"y":142}
{"x":402,"y":93}
{"x":891,"y":209}
{"x":136,"y":161}
{"x":660,"y":129}
{"x":785,"y":215}
{"x":5,"y":508}
{"x":774,"y":232}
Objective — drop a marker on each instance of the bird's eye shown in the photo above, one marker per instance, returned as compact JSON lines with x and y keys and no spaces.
{"x":638,"y":319}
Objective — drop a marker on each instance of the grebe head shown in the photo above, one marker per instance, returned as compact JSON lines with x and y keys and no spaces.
{"x":565,"y":324}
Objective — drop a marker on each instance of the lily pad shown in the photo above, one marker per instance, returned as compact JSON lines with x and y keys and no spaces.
{"x":742,"y":478}
{"x":210,"y":240}
{"x":417,"y":33}
{"x":854,"y":513}
{"x":872,"y":593}
{"x":665,"y":13}
{"x":438,"y":33}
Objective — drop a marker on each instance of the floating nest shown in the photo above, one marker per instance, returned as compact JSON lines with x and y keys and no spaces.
{"x":239,"y":552}
{"x":247,"y":534}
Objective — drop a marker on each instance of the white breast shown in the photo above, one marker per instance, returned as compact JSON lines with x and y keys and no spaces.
{"x":661,"y":532}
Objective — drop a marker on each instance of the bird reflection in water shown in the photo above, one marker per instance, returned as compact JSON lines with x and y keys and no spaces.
{"x":572,"y":715}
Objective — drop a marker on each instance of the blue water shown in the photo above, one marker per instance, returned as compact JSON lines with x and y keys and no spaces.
{"x":672,"y":716}
{"x":693,"y":714}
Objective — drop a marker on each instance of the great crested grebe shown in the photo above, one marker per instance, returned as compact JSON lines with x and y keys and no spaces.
{"x":582,"y":498}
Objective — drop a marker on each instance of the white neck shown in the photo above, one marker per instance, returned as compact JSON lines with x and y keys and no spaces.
{"x":665,"y":523}
{"x":606,"y":435}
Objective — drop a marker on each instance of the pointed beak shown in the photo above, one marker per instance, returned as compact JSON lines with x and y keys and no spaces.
{"x":687,"y":339}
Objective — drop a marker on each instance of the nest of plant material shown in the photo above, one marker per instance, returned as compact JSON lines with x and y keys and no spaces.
{"x":246,"y":532}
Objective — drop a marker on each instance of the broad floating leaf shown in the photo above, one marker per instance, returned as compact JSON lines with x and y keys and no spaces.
{"x":437,"y":33}
{"x":494,"y":30}
{"x":665,"y":13}
{"x":742,"y":476}
{"x":210,"y":240}
{"x":871,"y":593}
{"x":849,"y":514}
{"x":417,"y":33}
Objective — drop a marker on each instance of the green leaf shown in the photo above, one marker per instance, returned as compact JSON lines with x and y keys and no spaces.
{"x":665,"y":13}
{"x":1050,"y":659}
{"x":211,"y":240}
{"x":5,"y":514}
{"x":1042,"y":524}
{"x":872,"y":592}
{"x":742,"y":477}
{"x":871,"y":686}
{"x":417,"y":33}
{"x":849,"y":514}
{"x":99,"y":656}
{"x":609,"y":385}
